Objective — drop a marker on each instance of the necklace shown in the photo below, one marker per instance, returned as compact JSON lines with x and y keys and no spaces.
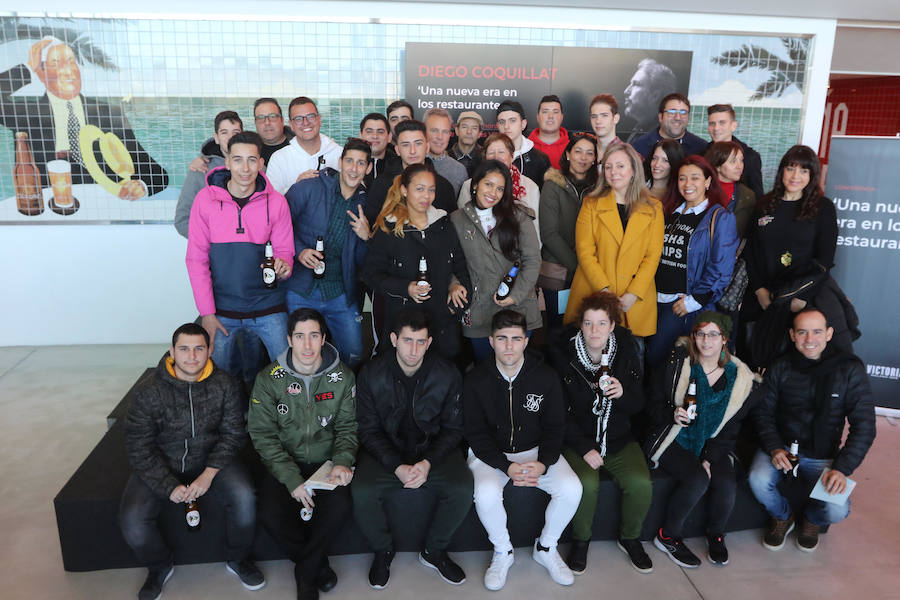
{"x":705,"y":372}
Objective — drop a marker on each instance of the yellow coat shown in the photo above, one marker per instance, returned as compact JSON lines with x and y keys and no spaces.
{"x":623,"y":261}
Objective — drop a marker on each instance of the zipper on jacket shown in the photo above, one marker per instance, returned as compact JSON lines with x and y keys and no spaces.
{"x":240,"y":228}
{"x":512,"y":423}
{"x":193,"y":433}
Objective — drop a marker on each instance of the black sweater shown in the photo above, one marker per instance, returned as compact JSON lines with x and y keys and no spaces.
{"x":581,"y":422}
{"x":513,"y":417}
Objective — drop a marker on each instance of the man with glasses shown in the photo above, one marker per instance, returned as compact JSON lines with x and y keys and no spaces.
{"x":674,"y":114}
{"x":309,"y":151}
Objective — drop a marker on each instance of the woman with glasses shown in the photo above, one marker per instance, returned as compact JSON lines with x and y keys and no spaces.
{"x":664,"y":159}
{"x":561,"y":199}
{"x":697,"y":257}
{"x":698,"y":402}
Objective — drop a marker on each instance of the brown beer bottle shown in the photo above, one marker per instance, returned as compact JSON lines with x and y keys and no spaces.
{"x":603,"y":374}
{"x":690,"y":401}
{"x":269,"y":268}
{"x":794,"y":457}
{"x":27,"y":179}
{"x":192,"y":515}
{"x":319,"y":271}
{"x":422,"y":277}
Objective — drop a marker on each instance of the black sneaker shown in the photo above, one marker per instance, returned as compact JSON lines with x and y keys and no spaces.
{"x":444,"y":565}
{"x":247,"y":571}
{"x":577,"y":558}
{"x":677,"y":551}
{"x":718,"y":553}
{"x":380,"y":571}
{"x":635,"y":551}
{"x":326,"y":578}
{"x":153,"y":586}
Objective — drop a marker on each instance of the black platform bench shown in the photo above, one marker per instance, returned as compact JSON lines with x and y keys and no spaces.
{"x":87,"y":511}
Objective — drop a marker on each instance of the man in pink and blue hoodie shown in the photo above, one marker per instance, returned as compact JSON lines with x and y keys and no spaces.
{"x":231,"y":220}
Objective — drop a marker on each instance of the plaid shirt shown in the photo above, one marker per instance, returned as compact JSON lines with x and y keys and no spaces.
{"x":332,"y":285}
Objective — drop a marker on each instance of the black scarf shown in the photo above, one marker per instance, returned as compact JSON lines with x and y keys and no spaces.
{"x":823,"y":372}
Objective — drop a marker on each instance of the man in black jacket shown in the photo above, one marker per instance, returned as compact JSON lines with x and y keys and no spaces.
{"x":515,"y":422}
{"x":183,"y":434}
{"x":805,"y":398}
{"x":410,"y":428}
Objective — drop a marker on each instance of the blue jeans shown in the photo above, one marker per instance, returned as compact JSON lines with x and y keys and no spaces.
{"x":140,"y":507}
{"x":763,"y":481}
{"x":344,"y":322}
{"x":669,"y":327}
{"x":271,"y":329}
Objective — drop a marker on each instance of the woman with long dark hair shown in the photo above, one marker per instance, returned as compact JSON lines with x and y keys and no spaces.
{"x":694,"y":445}
{"x":409,"y":229}
{"x":496,"y":235}
{"x":561,"y":197}
{"x":661,"y":165}
{"x":698,"y":253}
{"x":727,"y":158}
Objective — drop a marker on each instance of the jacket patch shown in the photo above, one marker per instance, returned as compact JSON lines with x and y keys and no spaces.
{"x":294,"y":389}
{"x":763,"y":221}
{"x":533,"y":402}
{"x":324,"y":396}
{"x":335,"y":376}
{"x":282,"y":408}
{"x":254,"y":401}
{"x":324,"y":421}
{"x":277,"y":372}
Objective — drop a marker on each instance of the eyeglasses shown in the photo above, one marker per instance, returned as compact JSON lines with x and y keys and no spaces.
{"x":676,"y":111}
{"x":310,"y":118}
{"x":713,"y":335}
{"x":268,"y":117}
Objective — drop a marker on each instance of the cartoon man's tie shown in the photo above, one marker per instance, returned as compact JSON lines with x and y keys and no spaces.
{"x":72,"y":128}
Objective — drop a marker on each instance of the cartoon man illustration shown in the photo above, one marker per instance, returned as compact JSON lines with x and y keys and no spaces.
{"x":63,"y":121}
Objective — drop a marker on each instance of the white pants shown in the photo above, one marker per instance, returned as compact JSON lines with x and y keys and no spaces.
{"x":560,"y":481}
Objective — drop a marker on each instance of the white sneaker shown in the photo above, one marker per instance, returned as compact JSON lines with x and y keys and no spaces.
{"x":553,"y":562}
{"x":495,"y":576}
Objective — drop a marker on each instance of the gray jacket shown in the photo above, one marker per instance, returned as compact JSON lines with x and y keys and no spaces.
{"x":487,"y":267}
{"x":193,"y":183}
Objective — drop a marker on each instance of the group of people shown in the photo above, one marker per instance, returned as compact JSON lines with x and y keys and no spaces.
{"x":478,"y":243}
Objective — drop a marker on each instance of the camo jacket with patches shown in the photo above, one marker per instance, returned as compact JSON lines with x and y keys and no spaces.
{"x":296,"y":418}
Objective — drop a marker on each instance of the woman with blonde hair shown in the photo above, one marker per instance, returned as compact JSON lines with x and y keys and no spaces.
{"x":408,"y":230}
{"x":619,"y":240}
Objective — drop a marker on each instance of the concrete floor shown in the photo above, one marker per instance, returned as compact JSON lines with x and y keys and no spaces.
{"x":55,"y":401}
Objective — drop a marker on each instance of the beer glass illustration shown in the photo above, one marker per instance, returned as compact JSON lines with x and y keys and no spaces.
{"x":59,"y":172}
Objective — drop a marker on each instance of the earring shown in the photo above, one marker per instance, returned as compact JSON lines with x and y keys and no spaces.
{"x":722,"y":354}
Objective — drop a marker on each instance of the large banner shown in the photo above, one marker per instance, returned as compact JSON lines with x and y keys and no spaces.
{"x":458,"y":77}
{"x":863,"y":180}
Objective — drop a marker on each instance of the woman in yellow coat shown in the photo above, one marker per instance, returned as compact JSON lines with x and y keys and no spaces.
{"x":619,"y":240}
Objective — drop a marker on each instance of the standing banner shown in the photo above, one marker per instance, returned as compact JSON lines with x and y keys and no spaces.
{"x":863,"y":180}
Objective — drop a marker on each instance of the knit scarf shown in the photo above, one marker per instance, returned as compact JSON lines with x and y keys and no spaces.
{"x":711,"y":407}
{"x":823,"y":372}
{"x":518,"y":189}
{"x":602,"y":405}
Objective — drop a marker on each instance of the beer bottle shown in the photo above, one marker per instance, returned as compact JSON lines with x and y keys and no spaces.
{"x":690,"y":401}
{"x":27,"y":179}
{"x":192,"y":515}
{"x":269,"y":268}
{"x":794,"y":457}
{"x":422,"y":277}
{"x":319,"y":271}
{"x":506,"y":284}
{"x":603,"y":375}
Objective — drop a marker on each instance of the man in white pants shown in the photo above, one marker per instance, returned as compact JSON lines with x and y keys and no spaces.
{"x":514,"y":421}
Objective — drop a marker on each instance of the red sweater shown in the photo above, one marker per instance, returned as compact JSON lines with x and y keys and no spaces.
{"x":555,"y":150}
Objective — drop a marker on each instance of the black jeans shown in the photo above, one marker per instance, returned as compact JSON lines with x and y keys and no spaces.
{"x":232,"y":488}
{"x":450,"y":480}
{"x":304,"y":542}
{"x":692,"y":484}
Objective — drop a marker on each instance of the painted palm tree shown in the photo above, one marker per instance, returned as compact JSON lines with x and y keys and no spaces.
{"x":783,"y":72}
{"x":15,"y":28}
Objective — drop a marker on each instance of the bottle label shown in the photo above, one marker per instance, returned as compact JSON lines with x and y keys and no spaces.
{"x":503,"y":290}
{"x":692,"y":411}
{"x":603,"y":382}
{"x":193,"y":518}
{"x":421,"y":283}
{"x":268,"y":275}
{"x":514,"y":271}
{"x":320,"y":268}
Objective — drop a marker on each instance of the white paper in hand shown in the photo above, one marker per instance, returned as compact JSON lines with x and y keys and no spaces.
{"x":319,"y":479}
{"x":820,"y":493}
